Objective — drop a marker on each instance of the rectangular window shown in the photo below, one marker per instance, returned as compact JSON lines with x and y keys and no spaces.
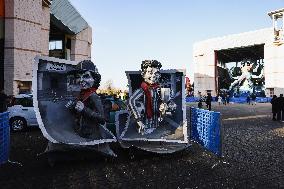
{"x":25,"y":102}
{"x":55,"y":45}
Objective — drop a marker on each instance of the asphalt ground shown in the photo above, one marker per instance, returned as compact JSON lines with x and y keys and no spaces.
{"x":253,"y":150}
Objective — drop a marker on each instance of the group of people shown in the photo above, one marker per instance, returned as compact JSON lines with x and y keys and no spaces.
{"x":223,"y":99}
{"x":251,"y":99}
{"x":278,"y":108}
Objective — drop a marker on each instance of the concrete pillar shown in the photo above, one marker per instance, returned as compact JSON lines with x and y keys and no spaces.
{"x":81,"y":45}
{"x":26,"y":35}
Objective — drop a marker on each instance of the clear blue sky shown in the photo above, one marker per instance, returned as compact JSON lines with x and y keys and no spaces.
{"x":125,"y":32}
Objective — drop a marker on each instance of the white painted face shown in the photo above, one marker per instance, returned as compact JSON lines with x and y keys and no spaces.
{"x":151,"y":75}
{"x":85,"y":80}
{"x":246,"y":67}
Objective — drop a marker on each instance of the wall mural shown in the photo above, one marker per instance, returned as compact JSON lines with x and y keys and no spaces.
{"x":243,"y":78}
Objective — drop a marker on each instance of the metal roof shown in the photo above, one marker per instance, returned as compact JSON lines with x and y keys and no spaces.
{"x":238,"y":54}
{"x":66,"y":13}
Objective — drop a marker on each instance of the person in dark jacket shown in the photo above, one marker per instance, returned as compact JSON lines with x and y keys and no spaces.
{"x":228,"y":99}
{"x":248,"y":99}
{"x":224,"y":99}
{"x":3,"y":101}
{"x":253,"y":99}
{"x":208,"y":101}
{"x":280,"y":103}
{"x":200,"y":100}
{"x":275,"y":108}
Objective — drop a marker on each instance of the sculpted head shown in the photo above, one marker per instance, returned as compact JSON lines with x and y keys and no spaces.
{"x":151,"y":71}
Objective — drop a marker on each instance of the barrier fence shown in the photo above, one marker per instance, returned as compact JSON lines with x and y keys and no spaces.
{"x":242,"y":100}
{"x":4,"y":137}
{"x":233,"y":99}
{"x":205,"y":129}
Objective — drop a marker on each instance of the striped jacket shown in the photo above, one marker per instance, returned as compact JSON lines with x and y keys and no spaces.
{"x":137,"y":107}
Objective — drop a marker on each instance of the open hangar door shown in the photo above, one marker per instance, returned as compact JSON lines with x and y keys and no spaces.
{"x":239,"y":71}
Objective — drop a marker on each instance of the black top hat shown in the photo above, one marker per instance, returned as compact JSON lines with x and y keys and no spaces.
{"x":85,"y":65}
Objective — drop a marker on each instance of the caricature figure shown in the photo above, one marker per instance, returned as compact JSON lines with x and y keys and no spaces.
{"x":88,"y":107}
{"x":145,"y":104}
{"x":244,"y":81}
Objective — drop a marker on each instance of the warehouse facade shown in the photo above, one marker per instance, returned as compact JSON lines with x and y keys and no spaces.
{"x":218,"y":61}
{"x":38,"y":27}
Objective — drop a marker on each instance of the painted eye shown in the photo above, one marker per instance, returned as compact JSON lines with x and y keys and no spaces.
{"x":86,"y":76}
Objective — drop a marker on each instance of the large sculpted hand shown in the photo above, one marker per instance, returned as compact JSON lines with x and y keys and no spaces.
{"x":70,"y":104}
{"x":141,"y":127}
{"x":172,"y":106}
{"x":163,"y":108}
{"x":79,"y":106}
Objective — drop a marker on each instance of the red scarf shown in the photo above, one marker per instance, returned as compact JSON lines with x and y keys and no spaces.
{"x":149,"y":104}
{"x":85,"y":93}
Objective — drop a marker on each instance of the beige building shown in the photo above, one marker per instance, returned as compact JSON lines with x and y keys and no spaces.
{"x":38,"y":27}
{"x":265,"y":45}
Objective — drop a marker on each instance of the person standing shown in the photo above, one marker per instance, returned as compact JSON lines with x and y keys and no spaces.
{"x":228,"y":99}
{"x":253,"y":99}
{"x":280,"y":103}
{"x":275,"y":108}
{"x":248,"y":99}
{"x":219,"y":100}
{"x":208,"y":101}
{"x":3,"y":101}
{"x":200,"y":100}
{"x":224,"y":99}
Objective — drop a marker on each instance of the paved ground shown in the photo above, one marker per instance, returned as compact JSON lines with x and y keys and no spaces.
{"x":253,"y":158}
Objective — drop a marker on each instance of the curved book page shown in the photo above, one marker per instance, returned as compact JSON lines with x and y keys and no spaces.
{"x":169,"y":133}
{"x":53,"y":88}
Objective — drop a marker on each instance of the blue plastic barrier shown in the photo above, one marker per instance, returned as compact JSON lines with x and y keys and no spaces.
{"x":206,"y":129}
{"x":191,"y":99}
{"x":239,"y":100}
{"x":244,"y":100}
{"x":263,"y":99}
{"x":4,"y":137}
{"x":196,"y":99}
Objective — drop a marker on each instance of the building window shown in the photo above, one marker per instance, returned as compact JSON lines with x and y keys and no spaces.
{"x":25,"y":87}
{"x":55,"y":45}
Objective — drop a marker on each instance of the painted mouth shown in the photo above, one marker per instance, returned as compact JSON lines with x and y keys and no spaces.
{"x":152,"y":80}
{"x":84,"y":85}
